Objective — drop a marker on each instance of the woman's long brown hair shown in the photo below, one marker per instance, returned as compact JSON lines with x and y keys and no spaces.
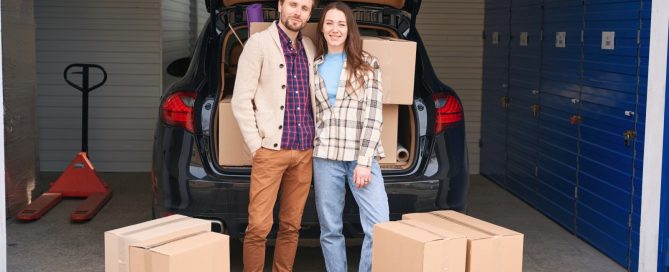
{"x":352,"y":46}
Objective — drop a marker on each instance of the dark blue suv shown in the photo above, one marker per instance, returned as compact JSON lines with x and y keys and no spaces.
{"x":188,"y":179}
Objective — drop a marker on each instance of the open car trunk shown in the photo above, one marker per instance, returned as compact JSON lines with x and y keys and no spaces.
{"x":398,"y":132}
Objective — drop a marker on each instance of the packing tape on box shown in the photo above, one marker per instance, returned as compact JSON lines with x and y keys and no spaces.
{"x":466,"y":225}
{"x":428,"y":231}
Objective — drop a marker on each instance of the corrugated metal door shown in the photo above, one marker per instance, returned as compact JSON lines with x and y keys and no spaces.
{"x":523,"y":109}
{"x":495,"y":87}
{"x":575,"y":118}
{"x":124,"y":38}
{"x":558,"y":121}
{"x":609,"y":106}
{"x":451,"y":31}
{"x":644,"y":43}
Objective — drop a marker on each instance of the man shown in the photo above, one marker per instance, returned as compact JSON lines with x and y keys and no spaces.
{"x":272,"y":103}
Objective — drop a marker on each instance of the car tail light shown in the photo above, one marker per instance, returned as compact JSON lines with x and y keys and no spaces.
{"x":449,"y":111}
{"x":177,"y":110}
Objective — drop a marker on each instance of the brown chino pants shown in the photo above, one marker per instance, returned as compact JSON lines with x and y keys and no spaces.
{"x":291,"y":171}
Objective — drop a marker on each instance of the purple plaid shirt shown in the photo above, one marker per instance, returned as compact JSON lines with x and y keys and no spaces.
{"x":298,"y":121}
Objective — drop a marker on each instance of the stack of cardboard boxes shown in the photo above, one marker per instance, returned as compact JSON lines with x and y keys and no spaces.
{"x":445,"y":241}
{"x":169,"y":244}
{"x":397,"y":59}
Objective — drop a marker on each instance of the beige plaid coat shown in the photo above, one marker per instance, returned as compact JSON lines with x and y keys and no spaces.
{"x":351,"y":130}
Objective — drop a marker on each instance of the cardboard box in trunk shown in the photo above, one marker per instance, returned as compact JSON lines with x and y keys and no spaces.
{"x":389,"y":133}
{"x":202,"y":252}
{"x":397,"y":59}
{"x":490,"y":247}
{"x":398,"y":4}
{"x":118,"y":241}
{"x":232,"y":150}
{"x":416,"y":246}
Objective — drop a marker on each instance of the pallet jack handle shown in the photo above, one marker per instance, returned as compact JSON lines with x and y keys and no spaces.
{"x":85,"y":88}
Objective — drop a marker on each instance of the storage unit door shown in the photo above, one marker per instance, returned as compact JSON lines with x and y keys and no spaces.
{"x":644,"y":42}
{"x":495,"y":87}
{"x":609,"y":102}
{"x":558,"y":121}
{"x":524,"y":80}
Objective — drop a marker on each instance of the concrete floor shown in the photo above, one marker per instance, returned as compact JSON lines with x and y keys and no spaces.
{"x":55,"y":244}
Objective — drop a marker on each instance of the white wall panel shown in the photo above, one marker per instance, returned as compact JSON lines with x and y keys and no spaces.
{"x":451,"y":31}
{"x":125,"y":38}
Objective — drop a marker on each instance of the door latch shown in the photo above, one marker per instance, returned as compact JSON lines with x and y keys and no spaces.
{"x":576,"y":119}
{"x":629,"y":135}
{"x":535,"y":110}
{"x":505,"y":102}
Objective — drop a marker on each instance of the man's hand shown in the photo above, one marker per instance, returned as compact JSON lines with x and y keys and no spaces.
{"x":362,"y":175}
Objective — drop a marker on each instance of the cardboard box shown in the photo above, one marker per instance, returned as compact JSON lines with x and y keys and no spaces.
{"x":490,"y":247}
{"x":117,"y":241}
{"x":202,"y":252}
{"x":412,"y":246}
{"x":393,"y":3}
{"x":389,"y":133}
{"x":309,"y":30}
{"x":232,"y":150}
{"x":395,"y":57}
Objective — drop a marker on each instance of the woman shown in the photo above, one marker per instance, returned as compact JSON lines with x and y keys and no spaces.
{"x":347,"y":91}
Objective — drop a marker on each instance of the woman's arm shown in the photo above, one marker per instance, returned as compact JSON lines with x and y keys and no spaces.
{"x":372,"y":117}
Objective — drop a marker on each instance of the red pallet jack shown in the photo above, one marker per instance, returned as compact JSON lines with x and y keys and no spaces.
{"x":79,"y":178}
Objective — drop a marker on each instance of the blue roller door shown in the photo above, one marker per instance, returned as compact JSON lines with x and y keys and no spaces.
{"x":609,"y":100}
{"x":560,"y":93}
{"x":524,"y":83}
{"x":576,"y":115}
{"x":644,"y":43}
{"x":495,"y":87}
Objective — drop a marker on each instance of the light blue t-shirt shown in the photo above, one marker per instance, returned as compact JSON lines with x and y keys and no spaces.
{"x":330,"y":71}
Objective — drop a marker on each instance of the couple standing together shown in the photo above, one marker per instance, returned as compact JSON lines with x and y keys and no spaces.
{"x":302,"y":107}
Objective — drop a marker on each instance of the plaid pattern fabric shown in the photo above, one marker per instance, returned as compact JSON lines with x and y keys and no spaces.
{"x":351,"y":129}
{"x":298,"y":122}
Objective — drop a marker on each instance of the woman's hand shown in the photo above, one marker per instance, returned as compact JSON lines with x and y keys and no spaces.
{"x":362,"y":176}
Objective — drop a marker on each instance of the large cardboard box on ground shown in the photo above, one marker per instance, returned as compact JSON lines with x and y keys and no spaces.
{"x":490,"y":247}
{"x":232,"y":150}
{"x":118,"y":241}
{"x":202,"y":252}
{"x":416,"y":246}
{"x":397,"y":59}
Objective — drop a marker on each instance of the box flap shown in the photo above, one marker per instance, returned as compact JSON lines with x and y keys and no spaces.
{"x":147,"y":225}
{"x":188,"y":243}
{"x":409,"y":231}
{"x":451,"y":225}
{"x":445,"y":234}
{"x":493,"y":229}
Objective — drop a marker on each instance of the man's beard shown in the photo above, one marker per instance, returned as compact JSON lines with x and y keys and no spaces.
{"x":286,"y":22}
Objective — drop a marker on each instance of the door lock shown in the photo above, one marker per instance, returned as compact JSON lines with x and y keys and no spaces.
{"x":629,"y":135}
{"x":576,"y":119}
{"x":535,"y":110}
{"x":505,"y":102}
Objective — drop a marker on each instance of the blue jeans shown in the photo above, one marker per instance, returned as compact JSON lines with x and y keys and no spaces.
{"x":330,"y":177}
